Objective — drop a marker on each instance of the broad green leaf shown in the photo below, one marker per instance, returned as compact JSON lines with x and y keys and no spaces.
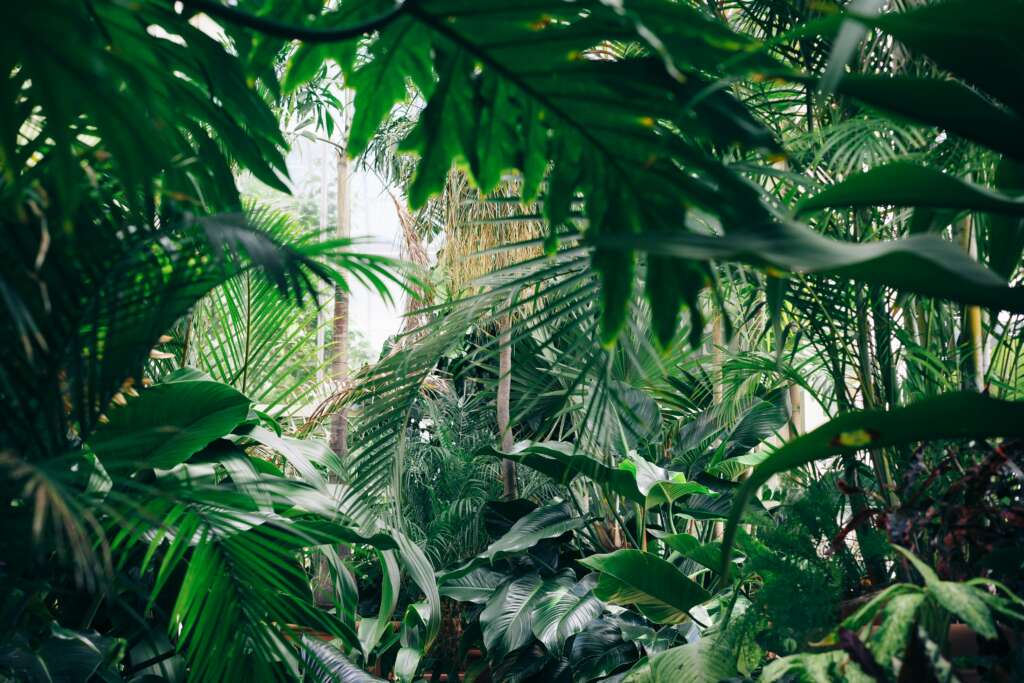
{"x":959,"y":415}
{"x":477,"y":586}
{"x":866,"y":614}
{"x":903,"y":183}
{"x":712,"y":658}
{"x":637,"y":480}
{"x":550,"y":521}
{"x":823,"y":667}
{"x":326,"y":662}
{"x":659,"y":590}
{"x":899,"y":616}
{"x":564,"y":611}
{"x":305,"y":455}
{"x":959,"y":599}
{"x":419,"y":569}
{"x":705,"y":554}
{"x":945,"y":104}
{"x":947,"y":32}
{"x":507,"y":619}
{"x":414,"y":641}
{"x":167,"y":424}
{"x":371,"y":630}
{"x":437,"y":137}
{"x":1005,"y":234}
{"x":561,"y":462}
{"x":600,"y":650}
{"x":401,"y":51}
{"x":499,"y":516}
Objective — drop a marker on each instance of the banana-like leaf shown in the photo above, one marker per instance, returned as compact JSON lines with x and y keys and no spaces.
{"x":708,"y":555}
{"x":633,"y":577}
{"x":326,"y":662}
{"x":167,"y":424}
{"x":305,"y":455}
{"x":476,"y":586}
{"x":708,"y":659}
{"x":419,"y":569}
{"x":565,"y":611}
{"x":562,"y":463}
{"x":600,"y":650}
{"x":500,"y":515}
{"x":903,"y":183}
{"x":372,"y":630}
{"x":660,"y":486}
{"x":530,"y":663}
{"x":959,"y":415}
{"x":414,"y":641}
{"x":547,"y":522}
{"x":507,"y":619}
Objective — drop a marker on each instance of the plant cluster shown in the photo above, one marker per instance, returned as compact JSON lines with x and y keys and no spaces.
{"x":672,"y":227}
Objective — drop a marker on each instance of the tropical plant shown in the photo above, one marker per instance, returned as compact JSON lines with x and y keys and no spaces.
{"x":831,"y":191}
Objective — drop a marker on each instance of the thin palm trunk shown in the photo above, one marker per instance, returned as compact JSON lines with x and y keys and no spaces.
{"x":339,"y":337}
{"x":338,"y":439}
{"x":509,"y":484}
{"x":972,"y":343}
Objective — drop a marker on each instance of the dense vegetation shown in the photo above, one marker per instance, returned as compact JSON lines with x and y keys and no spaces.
{"x":670,"y":228}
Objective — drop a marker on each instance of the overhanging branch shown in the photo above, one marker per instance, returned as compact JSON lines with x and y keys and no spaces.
{"x":289,"y":31}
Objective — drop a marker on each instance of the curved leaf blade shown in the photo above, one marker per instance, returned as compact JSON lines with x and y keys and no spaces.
{"x":958,"y":415}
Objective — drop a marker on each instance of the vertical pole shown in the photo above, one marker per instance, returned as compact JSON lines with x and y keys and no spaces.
{"x":509,"y":484}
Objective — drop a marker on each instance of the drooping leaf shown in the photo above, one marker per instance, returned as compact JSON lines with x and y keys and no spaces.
{"x":168,"y":423}
{"x":659,"y":590}
{"x":712,"y":658}
{"x":400,"y":52}
{"x":959,"y":599}
{"x":549,"y":521}
{"x":507,"y":618}
{"x":564,"y":611}
{"x":921,"y":264}
{"x":906,"y":184}
{"x":562,"y":463}
{"x":1005,"y":238}
{"x":327,"y":662}
{"x":476,"y":586}
{"x":600,"y":650}
{"x":957,"y":415}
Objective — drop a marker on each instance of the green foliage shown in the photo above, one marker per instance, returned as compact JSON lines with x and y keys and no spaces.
{"x":655,"y":155}
{"x":168,"y":424}
{"x":660,"y":591}
{"x":951,"y":416}
{"x":444,"y":483}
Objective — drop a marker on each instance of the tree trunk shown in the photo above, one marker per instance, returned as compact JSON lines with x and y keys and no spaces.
{"x":323,"y":291}
{"x":508,"y":468}
{"x":796,"y":411}
{"x":324,"y":593}
{"x":718,"y":357}
{"x":339,"y":336}
{"x":972,"y":338}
